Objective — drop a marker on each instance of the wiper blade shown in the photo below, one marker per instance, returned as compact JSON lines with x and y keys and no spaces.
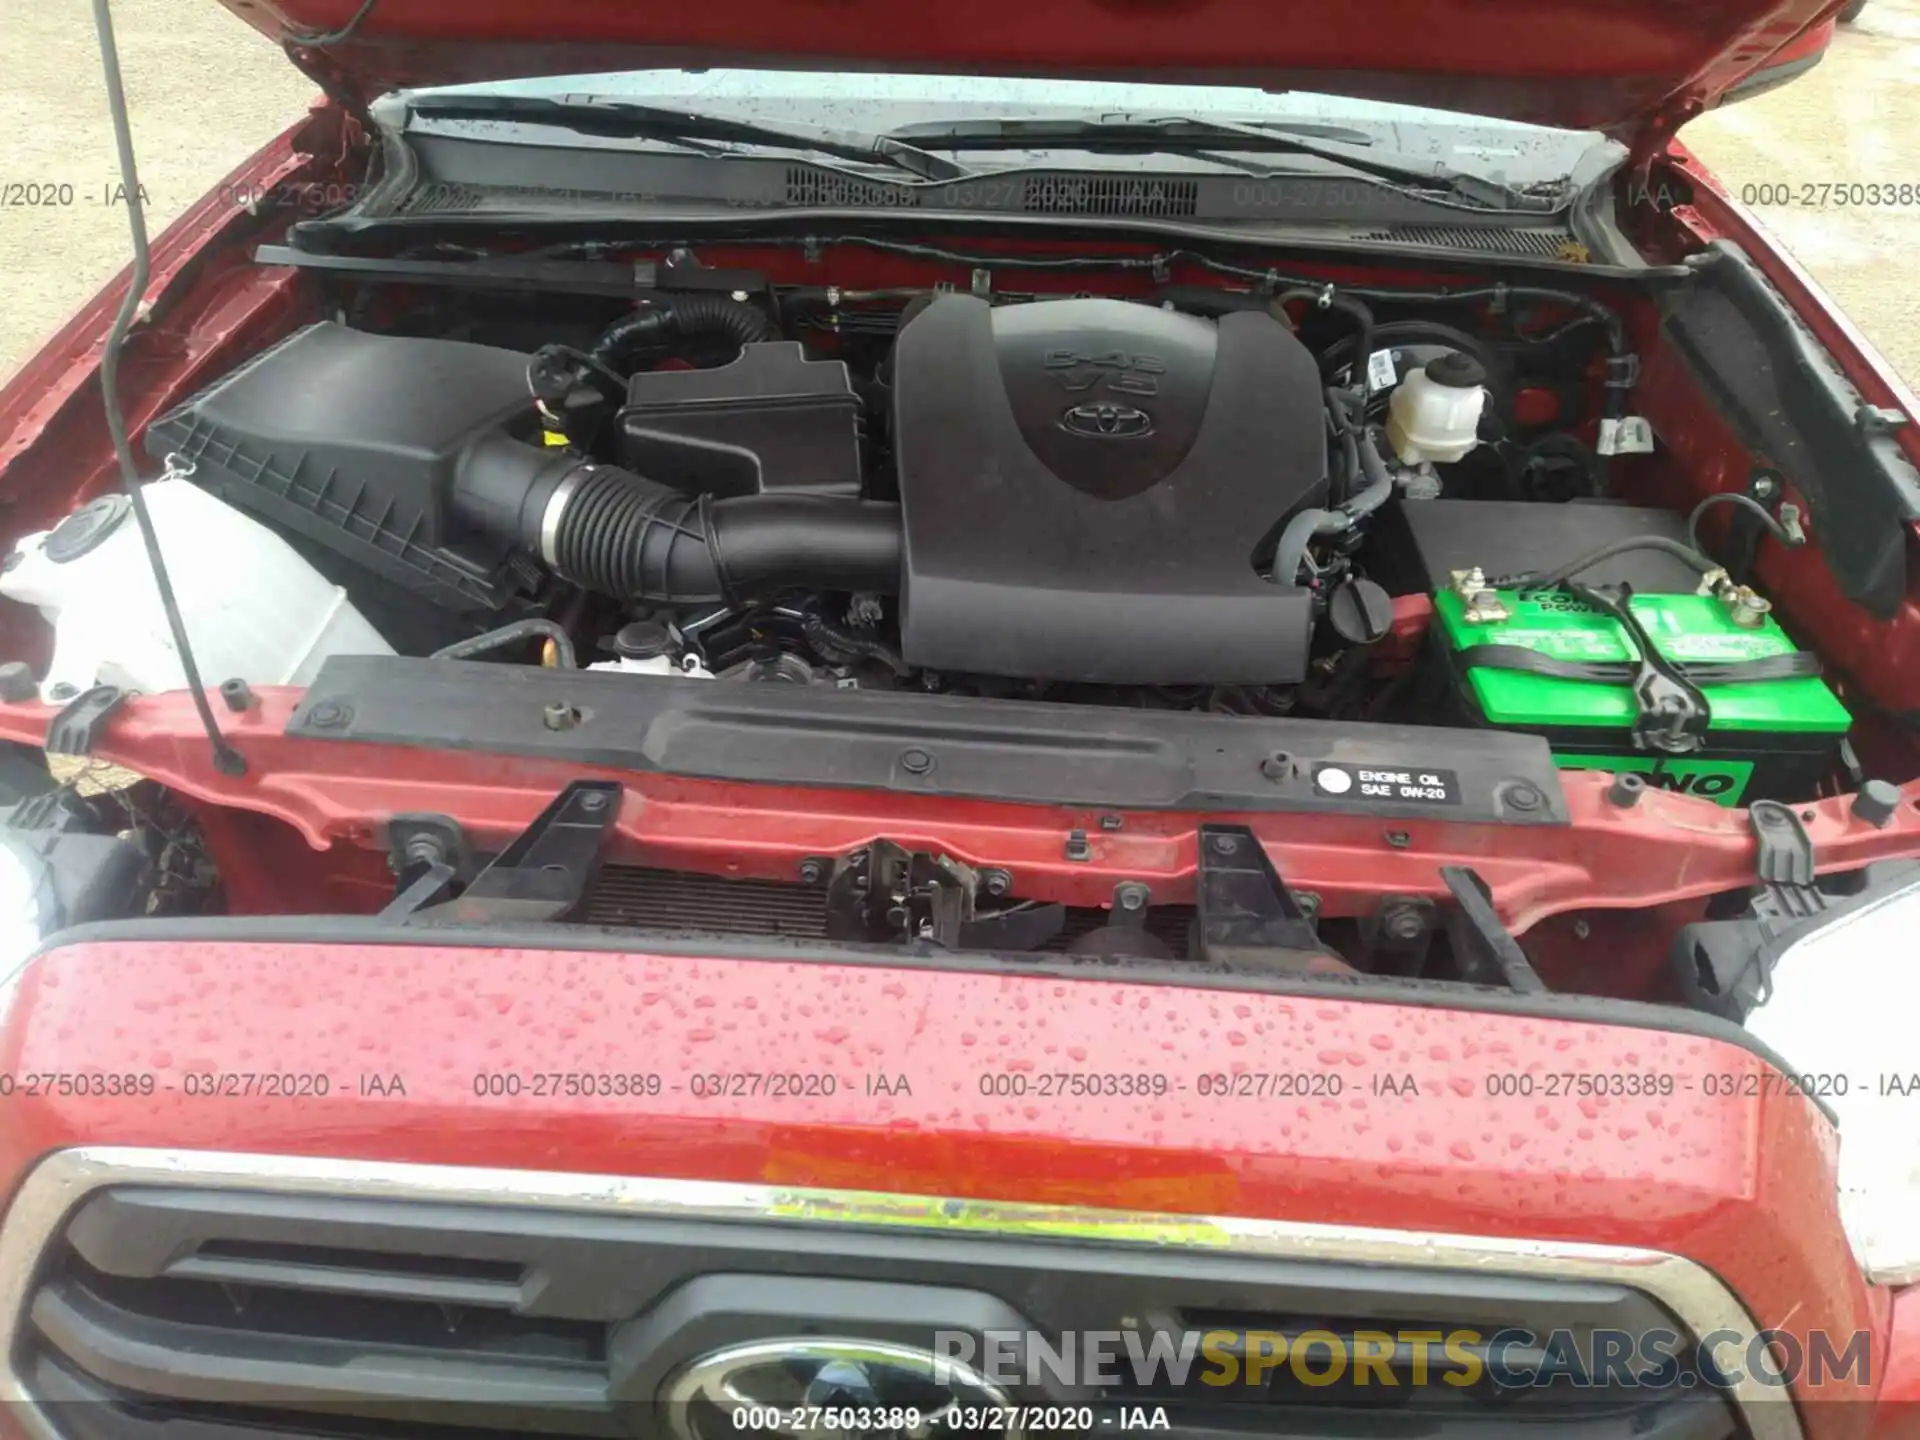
{"x":1187,"y":135}
{"x":993,"y":132}
{"x":632,"y":119}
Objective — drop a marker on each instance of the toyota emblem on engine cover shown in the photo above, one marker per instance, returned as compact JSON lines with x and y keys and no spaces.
{"x":815,"y":1388}
{"x":1107,"y":422}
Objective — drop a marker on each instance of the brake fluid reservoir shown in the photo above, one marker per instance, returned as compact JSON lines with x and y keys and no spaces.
{"x":253,"y":608}
{"x":1434,"y":414}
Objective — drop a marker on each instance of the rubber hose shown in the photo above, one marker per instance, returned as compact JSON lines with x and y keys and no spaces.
{"x":829,"y":639}
{"x":1292,"y":547}
{"x":507,"y":634}
{"x":668,"y":324}
{"x":1372,"y":495}
{"x":623,"y":535}
{"x":1349,"y":467}
{"x":763,"y":543}
{"x":1359,"y":453}
{"x":1355,"y":310}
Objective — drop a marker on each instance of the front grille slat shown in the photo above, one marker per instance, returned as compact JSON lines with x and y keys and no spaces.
{"x":231,"y":1315}
{"x":440,"y":1280}
{"x":81,"y":1409}
{"x":331,"y":1280}
{"x":241,"y":1365}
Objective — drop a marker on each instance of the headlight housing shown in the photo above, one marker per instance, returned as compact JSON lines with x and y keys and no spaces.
{"x":57,"y":871}
{"x":1845,"y":1002}
{"x":26,"y":904}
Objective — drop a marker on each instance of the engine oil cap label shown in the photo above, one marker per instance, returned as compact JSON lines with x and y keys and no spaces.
{"x":1402,"y":786}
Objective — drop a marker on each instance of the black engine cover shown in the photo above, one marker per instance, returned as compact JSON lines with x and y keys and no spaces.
{"x":1085,"y":484}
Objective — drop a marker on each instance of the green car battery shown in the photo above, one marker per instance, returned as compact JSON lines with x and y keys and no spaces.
{"x":1774,"y":738}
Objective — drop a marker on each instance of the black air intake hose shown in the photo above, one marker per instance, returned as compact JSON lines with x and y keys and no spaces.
{"x":669,"y":325}
{"x":623,"y":535}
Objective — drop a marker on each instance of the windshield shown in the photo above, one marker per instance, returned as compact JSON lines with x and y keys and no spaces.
{"x":1500,"y":150}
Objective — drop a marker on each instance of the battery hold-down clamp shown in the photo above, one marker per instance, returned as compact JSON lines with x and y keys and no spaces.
{"x":1673,"y":712}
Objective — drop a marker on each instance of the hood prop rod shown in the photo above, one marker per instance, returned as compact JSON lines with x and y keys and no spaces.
{"x":226,"y":759}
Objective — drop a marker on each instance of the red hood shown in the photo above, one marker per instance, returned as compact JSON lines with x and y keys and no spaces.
{"x":1631,"y":67}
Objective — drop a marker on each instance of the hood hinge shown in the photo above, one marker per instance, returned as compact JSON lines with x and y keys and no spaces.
{"x":1650,"y":140}
{"x":336,"y":84}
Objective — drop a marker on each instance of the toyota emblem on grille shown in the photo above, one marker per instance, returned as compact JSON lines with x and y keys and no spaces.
{"x":813,"y":1388}
{"x":1107,"y":422}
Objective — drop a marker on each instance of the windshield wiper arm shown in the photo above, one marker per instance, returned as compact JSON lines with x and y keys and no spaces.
{"x":1186,"y":135}
{"x":631,"y":119}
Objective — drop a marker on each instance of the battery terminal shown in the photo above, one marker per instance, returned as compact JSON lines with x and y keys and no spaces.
{"x":1483,"y":605}
{"x":1746,"y":607}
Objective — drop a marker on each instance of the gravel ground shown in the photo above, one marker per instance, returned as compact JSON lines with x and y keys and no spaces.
{"x":206,"y":91}
{"x":1853,"y":119}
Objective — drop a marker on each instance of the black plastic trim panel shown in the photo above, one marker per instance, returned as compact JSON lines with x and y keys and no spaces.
{"x":958,"y":746}
{"x":1786,"y":399}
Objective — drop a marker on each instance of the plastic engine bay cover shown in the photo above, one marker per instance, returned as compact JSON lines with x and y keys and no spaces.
{"x":1084,"y":484}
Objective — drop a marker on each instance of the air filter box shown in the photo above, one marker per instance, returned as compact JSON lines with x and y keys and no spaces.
{"x":773,"y":420}
{"x":353,"y":441}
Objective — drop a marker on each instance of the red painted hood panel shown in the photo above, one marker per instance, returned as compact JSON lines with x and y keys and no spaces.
{"x":1622,"y":65}
{"x":939,"y":1082}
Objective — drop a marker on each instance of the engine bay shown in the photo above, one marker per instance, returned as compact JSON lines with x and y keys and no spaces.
{"x":1377,"y":565}
{"x":1250,"y":500}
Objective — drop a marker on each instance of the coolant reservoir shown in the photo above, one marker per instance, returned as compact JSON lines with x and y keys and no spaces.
{"x":253,"y":608}
{"x":1434,"y":414}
